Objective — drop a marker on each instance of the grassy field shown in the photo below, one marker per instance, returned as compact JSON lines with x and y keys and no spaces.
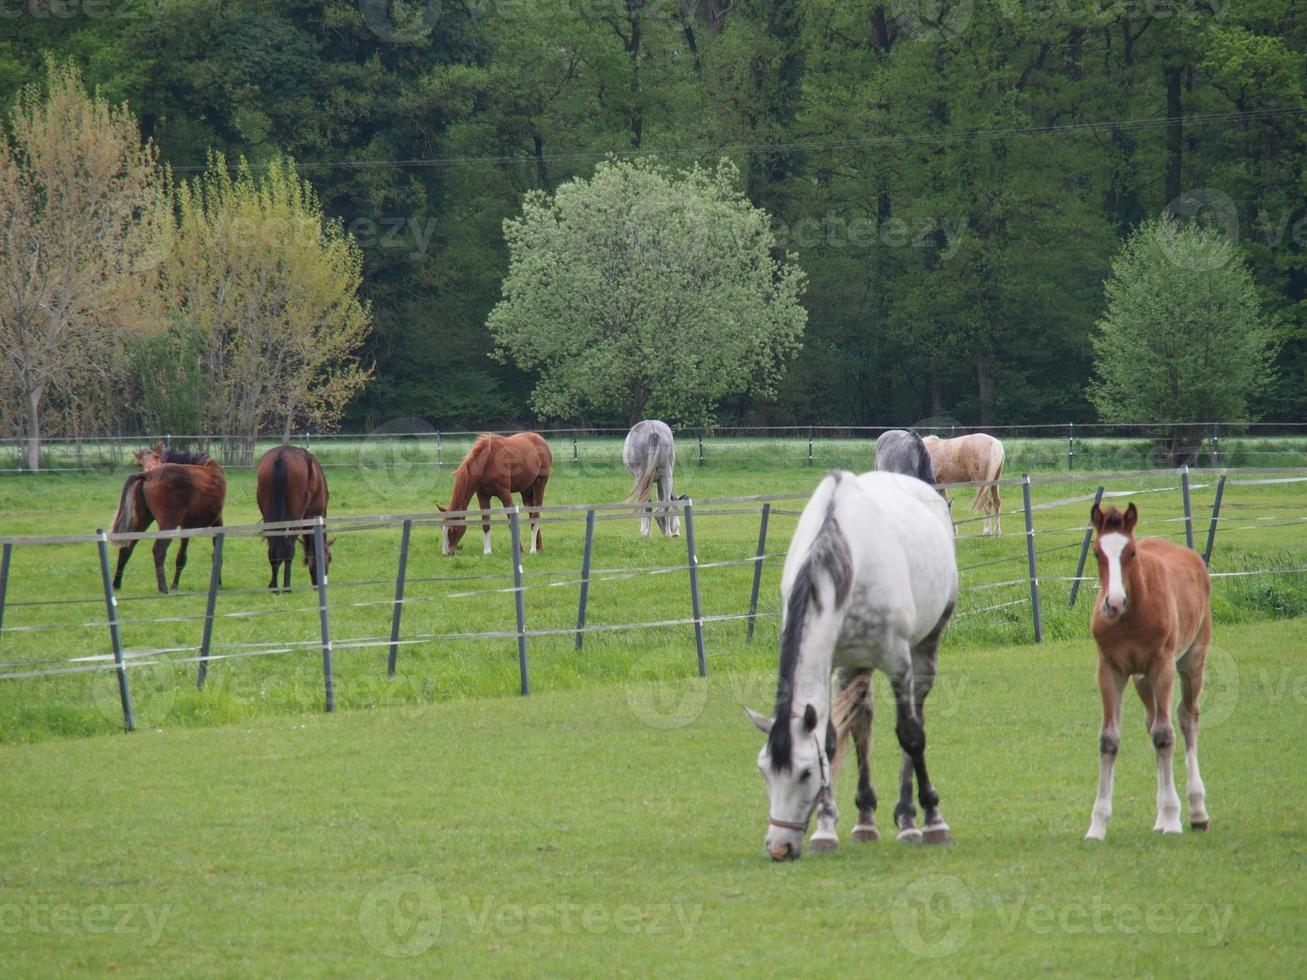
{"x":55,"y":609}
{"x":618,"y":830}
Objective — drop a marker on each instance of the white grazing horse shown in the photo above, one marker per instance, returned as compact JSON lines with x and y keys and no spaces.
{"x":870,"y":582}
{"x":650,"y":456}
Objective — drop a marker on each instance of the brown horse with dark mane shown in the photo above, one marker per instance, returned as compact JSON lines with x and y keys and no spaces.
{"x":176,"y":489}
{"x":1152,"y":620}
{"x":292,"y":487}
{"x":499,"y":466}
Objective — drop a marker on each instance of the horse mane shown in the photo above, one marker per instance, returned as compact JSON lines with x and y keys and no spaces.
{"x":828,"y":553}
{"x":185,"y":457}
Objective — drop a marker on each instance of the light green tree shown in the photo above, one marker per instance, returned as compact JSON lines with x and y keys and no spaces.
{"x":643,"y":291}
{"x":1183,"y":338}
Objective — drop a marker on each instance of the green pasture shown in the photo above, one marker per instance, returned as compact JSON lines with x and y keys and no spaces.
{"x":55,"y":610}
{"x":617,"y":830}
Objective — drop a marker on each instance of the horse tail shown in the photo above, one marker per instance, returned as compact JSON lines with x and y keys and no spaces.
{"x":640,"y":493}
{"x":925,"y":469}
{"x":282,"y":545}
{"x":993,"y":471}
{"x":131,"y":505}
{"x":828,"y":555}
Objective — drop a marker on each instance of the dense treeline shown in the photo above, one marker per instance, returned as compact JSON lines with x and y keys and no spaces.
{"x":954,"y":177}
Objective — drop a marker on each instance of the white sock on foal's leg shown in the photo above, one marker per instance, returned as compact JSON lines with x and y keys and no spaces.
{"x":1168,"y":800}
{"x":485,"y":544}
{"x":535,"y":534}
{"x":1103,"y":804}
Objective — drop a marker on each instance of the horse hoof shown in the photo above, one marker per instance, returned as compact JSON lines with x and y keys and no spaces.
{"x":1198,"y":825}
{"x":823,"y":845}
{"x":866,"y":834}
{"x":909,"y":835}
{"x":937,"y":835}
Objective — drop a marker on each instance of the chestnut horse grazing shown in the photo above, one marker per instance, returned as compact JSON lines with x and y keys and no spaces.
{"x":1152,"y":619}
{"x":291,"y":487}
{"x":176,"y":489}
{"x":499,"y":466}
{"x":977,"y":458}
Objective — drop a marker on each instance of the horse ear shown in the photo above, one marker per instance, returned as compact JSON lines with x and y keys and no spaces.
{"x":809,"y":719}
{"x":330,"y":542}
{"x":1096,"y":517}
{"x":1131,"y":518}
{"x":439,"y":508}
{"x":760,"y":722}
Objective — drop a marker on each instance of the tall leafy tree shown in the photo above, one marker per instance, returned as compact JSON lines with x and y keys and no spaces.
{"x":643,"y":291}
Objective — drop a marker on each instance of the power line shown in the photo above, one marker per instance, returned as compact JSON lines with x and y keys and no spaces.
{"x":966,"y":136}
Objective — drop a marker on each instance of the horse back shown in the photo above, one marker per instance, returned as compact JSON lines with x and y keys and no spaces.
{"x":185,"y":494}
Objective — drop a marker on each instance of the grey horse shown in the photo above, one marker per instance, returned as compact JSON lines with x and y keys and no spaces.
{"x":902,"y":451}
{"x":650,"y":456}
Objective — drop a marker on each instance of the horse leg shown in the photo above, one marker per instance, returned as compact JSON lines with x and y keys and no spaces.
{"x":996,"y":500}
{"x":1162,"y":679}
{"x":1111,"y":684}
{"x":181,"y":562}
{"x":484,"y":500}
{"x":124,"y":553}
{"x":160,"y":553}
{"x":645,"y":511}
{"x":1190,"y":667}
{"x":824,"y":838}
{"x":936,"y":831}
{"x":912,"y":742}
{"x":533,"y":496}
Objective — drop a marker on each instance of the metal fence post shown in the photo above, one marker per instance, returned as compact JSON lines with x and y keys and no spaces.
{"x":440,"y":461}
{"x":1070,"y":446}
{"x":1188,"y":511}
{"x":1030,"y":557}
{"x":115,"y":637}
{"x":320,"y":563}
{"x":757,"y":570}
{"x":694,"y":586}
{"x":307,"y":440}
{"x":809,"y":445}
{"x":1084,"y":553}
{"x":1211,"y":528}
{"x":585,"y":576}
{"x":1216,"y":444}
{"x":514,"y":526}
{"x":576,"y":456}
{"x":398,"y":608}
{"x":215,"y":578}
{"x":5,"y":555}
{"x":700,"y":447}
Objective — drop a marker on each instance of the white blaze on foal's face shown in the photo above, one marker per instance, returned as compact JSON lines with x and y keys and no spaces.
{"x":1115,"y":550}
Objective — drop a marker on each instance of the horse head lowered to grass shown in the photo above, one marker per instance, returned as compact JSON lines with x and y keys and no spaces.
{"x":499,"y":466}
{"x":869,"y":583}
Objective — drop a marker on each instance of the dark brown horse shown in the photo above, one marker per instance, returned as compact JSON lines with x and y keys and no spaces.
{"x":292,"y":487}
{"x":500,"y":466}
{"x":175,"y":489}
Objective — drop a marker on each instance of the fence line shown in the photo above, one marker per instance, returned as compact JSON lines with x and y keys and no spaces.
{"x":121,"y":659}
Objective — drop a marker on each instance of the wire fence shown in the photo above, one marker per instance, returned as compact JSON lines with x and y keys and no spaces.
{"x":415,"y":445}
{"x":981,"y":593}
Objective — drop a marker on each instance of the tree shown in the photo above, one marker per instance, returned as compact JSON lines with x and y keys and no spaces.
{"x":644,"y":291}
{"x":270,"y":288}
{"x":80,"y":199}
{"x":1183,"y":338}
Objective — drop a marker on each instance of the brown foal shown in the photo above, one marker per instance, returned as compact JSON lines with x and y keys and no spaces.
{"x":1152,"y":619}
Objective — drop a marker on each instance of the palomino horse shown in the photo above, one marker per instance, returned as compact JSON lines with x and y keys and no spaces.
{"x":1152,"y":619}
{"x":176,"y":489}
{"x":977,"y":458}
{"x":869,"y":582}
{"x":499,"y":466}
{"x":291,"y":487}
{"x":649,"y":455}
{"x":902,"y":451}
